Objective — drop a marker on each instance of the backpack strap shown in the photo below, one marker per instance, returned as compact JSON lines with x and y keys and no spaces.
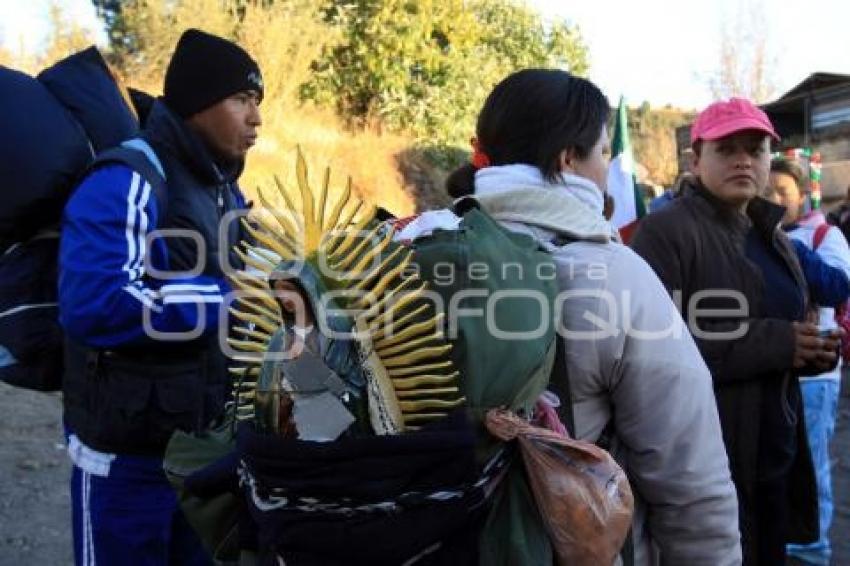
{"x":559,"y":384}
{"x":139,"y":144}
{"x":820,"y":234}
{"x":559,"y":379}
{"x":138,"y":155}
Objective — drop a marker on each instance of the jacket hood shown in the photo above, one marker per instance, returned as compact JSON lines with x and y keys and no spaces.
{"x":519,"y":193}
{"x":165,"y":130}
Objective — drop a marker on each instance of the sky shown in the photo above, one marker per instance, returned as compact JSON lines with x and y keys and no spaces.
{"x":666,"y":51}
{"x":663,"y":52}
{"x":25,"y":22}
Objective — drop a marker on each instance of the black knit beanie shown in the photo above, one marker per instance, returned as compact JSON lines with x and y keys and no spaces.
{"x":206,"y":69}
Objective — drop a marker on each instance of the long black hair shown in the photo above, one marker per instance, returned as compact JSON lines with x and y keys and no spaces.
{"x":531,"y":117}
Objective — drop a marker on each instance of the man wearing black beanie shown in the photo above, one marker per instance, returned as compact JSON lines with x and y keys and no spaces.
{"x":147,"y":240}
{"x":204,"y":73}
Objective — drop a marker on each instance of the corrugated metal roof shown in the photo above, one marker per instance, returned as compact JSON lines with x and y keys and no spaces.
{"x":815,"y":81}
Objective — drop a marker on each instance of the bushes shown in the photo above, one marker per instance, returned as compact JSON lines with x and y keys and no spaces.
{"x":357,"y":81}
{"x":425,"y":67}
{"x":421,"y":67}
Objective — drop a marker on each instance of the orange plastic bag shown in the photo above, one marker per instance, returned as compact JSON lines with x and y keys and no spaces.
{"x":583,"y":496}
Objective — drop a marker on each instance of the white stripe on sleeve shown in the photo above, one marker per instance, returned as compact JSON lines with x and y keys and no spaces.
{"x":138,"y":268}
{"x":187,"y":287}
{"x":190,"y":298}
{"x":130,"y":229}
{"x":143,"y":298}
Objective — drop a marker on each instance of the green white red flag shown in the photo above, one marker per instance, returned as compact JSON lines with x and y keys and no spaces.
{"x":628,"y":202}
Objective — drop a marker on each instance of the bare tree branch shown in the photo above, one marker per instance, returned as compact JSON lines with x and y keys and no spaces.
{"x":745,"y":57}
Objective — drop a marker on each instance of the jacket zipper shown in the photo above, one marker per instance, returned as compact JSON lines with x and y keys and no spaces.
{"x":220,"y":200}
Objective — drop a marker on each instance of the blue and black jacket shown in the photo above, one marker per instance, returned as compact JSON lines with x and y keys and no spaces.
{"x":123,"y":280}
{"x":110,"y":251}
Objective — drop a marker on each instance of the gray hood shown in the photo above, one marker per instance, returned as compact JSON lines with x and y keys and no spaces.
{"x":519,"y":193}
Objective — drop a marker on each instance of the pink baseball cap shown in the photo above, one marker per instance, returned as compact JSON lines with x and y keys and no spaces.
{"x":726,"y":117}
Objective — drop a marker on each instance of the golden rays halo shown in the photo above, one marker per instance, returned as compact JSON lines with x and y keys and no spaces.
{"x":404,"y":356}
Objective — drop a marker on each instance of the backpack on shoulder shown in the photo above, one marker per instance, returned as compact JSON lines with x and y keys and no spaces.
{"x":449,"y":324}
{"x":498,"y":289}
{"x":31,"y":338}
{"x":60,"y":126}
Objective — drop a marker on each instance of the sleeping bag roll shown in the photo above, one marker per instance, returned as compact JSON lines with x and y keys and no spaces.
{"x":42,"y":151}
{"x":84,"y":84}
{"x":51,"y":128}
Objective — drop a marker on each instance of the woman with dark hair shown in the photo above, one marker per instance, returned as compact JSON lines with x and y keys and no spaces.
{"x":540,"y":168}
{"x":810,"y":231}
{"x":720,"y":248}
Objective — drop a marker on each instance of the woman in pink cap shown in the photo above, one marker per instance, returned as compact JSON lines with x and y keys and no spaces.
{"x":720,"y":249}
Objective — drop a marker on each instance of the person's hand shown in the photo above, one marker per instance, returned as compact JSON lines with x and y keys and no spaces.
{"x":812,"y":315}
{"x":812,"y":349}
{"x":831,"y":345}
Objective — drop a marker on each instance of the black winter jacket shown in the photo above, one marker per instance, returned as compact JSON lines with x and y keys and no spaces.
{"x":697,"y":244}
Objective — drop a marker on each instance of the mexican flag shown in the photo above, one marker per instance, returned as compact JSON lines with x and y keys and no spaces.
{"x":628,"y":203}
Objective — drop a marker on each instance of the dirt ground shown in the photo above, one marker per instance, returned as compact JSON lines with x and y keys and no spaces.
{"x":35,"y":505}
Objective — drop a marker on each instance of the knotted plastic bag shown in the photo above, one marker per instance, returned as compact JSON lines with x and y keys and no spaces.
{"x":582,"y":494}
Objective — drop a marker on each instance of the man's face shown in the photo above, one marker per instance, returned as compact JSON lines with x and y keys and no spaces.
{"x":229,"y":127}
{"x":784,"y":191}
{"x":735,"y":168}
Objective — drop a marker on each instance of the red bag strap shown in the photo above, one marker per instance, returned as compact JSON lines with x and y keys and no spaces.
{"x":820,"y":234}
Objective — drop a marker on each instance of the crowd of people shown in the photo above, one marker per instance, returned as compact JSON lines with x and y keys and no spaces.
{"x":717,"y":381}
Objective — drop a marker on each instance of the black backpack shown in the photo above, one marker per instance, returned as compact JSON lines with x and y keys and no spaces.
{"x":31,"y":339}
{"x":53,"y":128}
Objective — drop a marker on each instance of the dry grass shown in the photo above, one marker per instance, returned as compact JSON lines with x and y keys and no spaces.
{"x":369,"y":159}
{"x":284,"y":38}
